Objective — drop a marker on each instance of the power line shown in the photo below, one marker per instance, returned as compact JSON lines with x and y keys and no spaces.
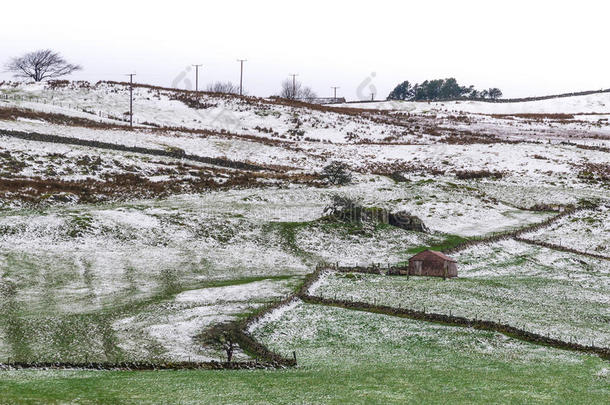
{"x":335,"y":90}
{"x":197,"y":78}
{"x":294,"y":84}
{"x":131,"y":75}
{"x":241,"y":76}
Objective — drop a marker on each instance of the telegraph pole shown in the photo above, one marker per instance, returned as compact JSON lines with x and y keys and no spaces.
{"x":294,"y":85}
{"x":131,"y":75}
{"x":197,"y":78}
{"x":335,"y":89}
{"x":241,"y":76}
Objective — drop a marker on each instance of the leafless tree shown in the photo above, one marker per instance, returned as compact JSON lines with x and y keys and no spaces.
{"x":296,"y":91}
{"x":290,"y":89}
{"x":223,"y":87}
{"x":307,"y":94}
{"x":40,"y":65}
{"x":222,"y":337}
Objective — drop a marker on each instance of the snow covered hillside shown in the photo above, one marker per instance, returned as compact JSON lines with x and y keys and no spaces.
{"x":122,"y":243}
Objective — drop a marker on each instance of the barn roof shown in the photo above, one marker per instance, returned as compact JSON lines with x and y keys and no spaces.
{"x":428,"y":253}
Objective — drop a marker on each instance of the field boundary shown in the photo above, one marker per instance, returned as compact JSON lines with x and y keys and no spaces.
{"x":494,"y":101}
{"x":237,"y":329}
{"x":451,"y":320}
{"x":560,"y":248}
{"x":517,"y":232}
{"x":141,"y":366}
{"x":172,"y":153}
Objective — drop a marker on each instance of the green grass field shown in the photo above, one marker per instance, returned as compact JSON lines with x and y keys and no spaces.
{"x":347,"y":357}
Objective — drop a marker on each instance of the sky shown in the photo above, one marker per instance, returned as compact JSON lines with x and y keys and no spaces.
{"x":525,"y":48}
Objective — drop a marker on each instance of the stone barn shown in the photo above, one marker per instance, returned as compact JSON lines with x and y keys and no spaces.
{"x":431,"y":263}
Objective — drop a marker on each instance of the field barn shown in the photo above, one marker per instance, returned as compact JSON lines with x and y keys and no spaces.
{"x":434,"y":264}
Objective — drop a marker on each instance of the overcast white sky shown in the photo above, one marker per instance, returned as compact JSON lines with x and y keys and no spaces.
{"x":524,"y":47}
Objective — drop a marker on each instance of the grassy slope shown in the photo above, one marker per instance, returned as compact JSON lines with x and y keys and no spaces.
{"x":91,"y":336}
{"x":540,"y":290}
{"x":339,"y":364}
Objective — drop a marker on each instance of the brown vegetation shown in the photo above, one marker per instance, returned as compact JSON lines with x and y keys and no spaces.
{"x":536,"y":116}
{"x":595,"y":171}
{"x":477,"y":174}
{"x":127,"y":186}
{"x":11,"y":113}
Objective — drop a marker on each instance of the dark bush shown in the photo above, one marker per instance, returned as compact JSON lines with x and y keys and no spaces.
{"x":337,"y":173}
{"x":478,"y":174}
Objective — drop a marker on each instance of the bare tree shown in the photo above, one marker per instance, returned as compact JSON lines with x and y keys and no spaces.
{"x":40,"y":65}
{"x":295,"y":90}
{"x":290,"y":89}
{"x":223,"y":87}
{"x":222,"y":337}
{"x":307,"y":94}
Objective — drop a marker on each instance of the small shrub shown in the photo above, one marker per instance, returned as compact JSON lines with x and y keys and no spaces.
{"x":337,"y":173}
{"x":477,"y":174}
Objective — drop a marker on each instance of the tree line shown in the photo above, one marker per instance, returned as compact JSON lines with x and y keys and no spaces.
{"x":440,"y":89}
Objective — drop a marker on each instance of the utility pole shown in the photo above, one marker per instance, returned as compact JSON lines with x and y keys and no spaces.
{"x":294,"y":85}
{"x":241,"y":76}
{"x":197,"y":78}
{"x":372,"y":96}
{"x":131,"y":75}
{"x":335,"y":89}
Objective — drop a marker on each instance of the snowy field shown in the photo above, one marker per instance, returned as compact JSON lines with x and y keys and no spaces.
{"x":587,"y":231}
{"x":537,"y":289}
{"x":161,"y":108}
{"x":124,"y":272}
{"x":140,"y":275}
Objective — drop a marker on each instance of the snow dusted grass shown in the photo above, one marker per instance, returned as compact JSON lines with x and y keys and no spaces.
{"x":168,"y":329}
{"x":79,"y":271}
{"x":111,"y":270}
{"x":232,"y":114}
{"x":324,"y":335}
{"x":360,"y":346}
{"x":524,"y":191}
{"x":105,"y":281}
{"x":535,"y":120}
{"x":348,"y":357}
{"x":207,"y":146}
{"x":587,"y":231}
{"x":162,"y":327}
{"x":353,"y":245}
{"x":23,"y":159}
{"x":446,"y":205}
{"x":592,"y":103}
{"x":533,"y":288}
